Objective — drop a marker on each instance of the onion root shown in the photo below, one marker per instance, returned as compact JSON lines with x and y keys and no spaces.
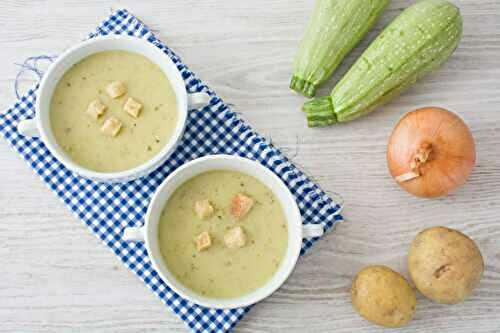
{"x":419,"y":159}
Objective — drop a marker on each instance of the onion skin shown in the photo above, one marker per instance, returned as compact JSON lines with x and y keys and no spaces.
{"x":452,"y":155}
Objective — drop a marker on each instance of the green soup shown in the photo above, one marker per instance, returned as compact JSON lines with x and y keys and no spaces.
{"x":140,"y":138}
{"x":219,"y":271}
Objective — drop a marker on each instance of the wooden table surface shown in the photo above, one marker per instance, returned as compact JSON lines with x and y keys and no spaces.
{"x":57,"y":277}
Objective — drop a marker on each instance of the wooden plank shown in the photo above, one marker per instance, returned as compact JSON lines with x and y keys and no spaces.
{"x":57,"y":277}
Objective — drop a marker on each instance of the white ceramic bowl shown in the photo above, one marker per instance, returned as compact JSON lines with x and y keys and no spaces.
{"x":40,"y":126}
{"x":296,"y":230}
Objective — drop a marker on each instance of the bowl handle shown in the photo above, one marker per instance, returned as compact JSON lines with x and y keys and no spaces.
{"x":134,"y":234}
{"x":198,"y":100}
{"x":28,"y":127}
{"x":312,"y":230}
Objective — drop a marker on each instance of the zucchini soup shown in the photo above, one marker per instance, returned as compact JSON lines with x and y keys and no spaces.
{"x":223,"y":234}
{"x":113,"y":111}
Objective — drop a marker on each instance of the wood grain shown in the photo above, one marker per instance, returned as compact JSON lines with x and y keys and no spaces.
{"x":56,"y":277}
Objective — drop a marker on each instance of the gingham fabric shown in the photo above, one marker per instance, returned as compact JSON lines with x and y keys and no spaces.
{"x":108,"y":208}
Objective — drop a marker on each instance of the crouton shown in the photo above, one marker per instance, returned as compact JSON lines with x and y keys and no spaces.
{"x":111,"y":126}
{"x":96,"y":109}
{"x":116,"y":89}
{"x":203,"y":209}
{"x":203,"y":241}
{"x":235,"y":238}
{"x":241,"y":205}
{"x":132,"y":107}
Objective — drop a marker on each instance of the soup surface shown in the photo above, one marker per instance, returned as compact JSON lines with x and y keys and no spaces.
{"x":139,"y":139}
{"x":219,"y":271}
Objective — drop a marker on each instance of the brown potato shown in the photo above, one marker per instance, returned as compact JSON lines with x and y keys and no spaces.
{"x":445,"y":264}
{"x":383,"y":296}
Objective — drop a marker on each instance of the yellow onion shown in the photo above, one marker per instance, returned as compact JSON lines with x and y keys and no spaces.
{"x":431,"y":152}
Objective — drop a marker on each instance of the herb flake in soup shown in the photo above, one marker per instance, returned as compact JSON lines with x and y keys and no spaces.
{"x":139,"y":139}
{"x":222,"y":270}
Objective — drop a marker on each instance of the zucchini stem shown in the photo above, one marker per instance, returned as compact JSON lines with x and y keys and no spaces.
{"x":319,"y":112}
{"x":302,"y":86}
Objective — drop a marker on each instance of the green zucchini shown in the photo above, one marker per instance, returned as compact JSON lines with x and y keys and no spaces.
{"x":335,"y":28}
{"x":416,"y":42}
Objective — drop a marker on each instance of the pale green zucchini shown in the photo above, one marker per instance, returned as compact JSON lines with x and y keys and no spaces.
{"x":416,"y":42}
{"x":335,"y":27}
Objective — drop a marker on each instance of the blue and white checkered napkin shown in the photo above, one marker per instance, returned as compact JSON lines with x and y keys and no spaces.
{"x":107,"y":209}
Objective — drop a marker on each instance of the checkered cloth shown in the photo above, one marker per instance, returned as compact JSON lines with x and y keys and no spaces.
{"x":109,"y":208}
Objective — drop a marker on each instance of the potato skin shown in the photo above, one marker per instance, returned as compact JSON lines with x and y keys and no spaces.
{"x":445,"y":264}
{"x":383,"y":296}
